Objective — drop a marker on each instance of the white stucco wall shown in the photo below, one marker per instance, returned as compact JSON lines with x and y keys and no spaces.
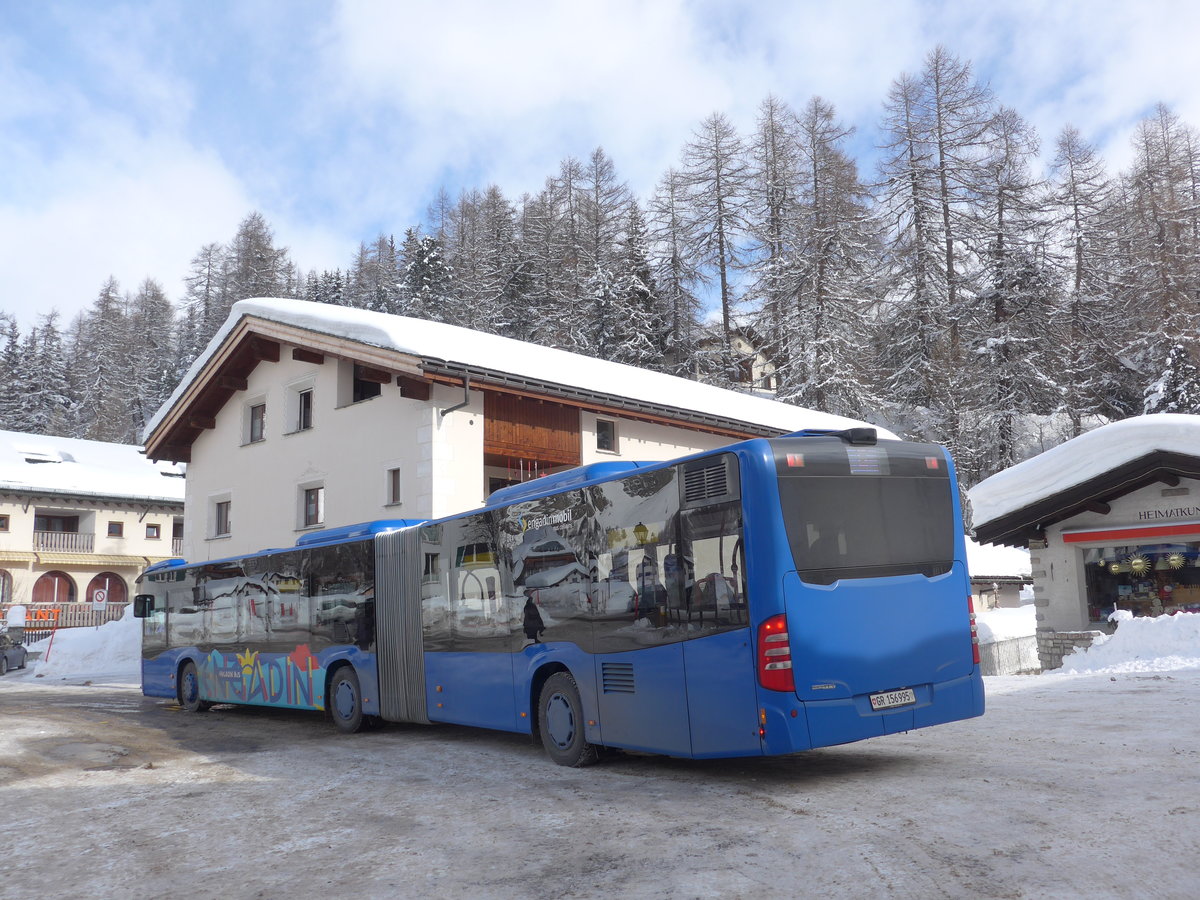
{"x":644,"y":441}
{"x":1058,"y":569}
{"x":347,"y":451}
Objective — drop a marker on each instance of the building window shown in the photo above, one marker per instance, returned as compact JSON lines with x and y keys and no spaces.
{"x":304,"y":410}
{"x":364,"y":388}
{"x":153,"y":532}
{"x":314,"y":506}
{"x":258,"y":421}
{"x":606,"y":435}
{"x":393,"y":487}
{"x":221,"y":520}
{"x":116,"y":529}
{"x":3,"y":523}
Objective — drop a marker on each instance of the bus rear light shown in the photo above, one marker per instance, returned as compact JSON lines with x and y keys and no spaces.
{"x":974,"y":631}
{"x":775,"y":655}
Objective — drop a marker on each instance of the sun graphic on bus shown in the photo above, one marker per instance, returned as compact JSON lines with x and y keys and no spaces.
{"x":247,"y":661}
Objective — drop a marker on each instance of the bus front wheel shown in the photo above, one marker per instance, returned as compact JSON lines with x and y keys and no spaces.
{"x":560,"y":721}
{"x":345,"y":701}
{"x":189,"y":689}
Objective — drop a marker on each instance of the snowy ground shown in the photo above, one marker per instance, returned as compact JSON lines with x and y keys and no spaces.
{"x":1072,"y":785}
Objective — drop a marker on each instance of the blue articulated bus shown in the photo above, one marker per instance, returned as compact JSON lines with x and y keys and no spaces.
{"x":770,"y":597}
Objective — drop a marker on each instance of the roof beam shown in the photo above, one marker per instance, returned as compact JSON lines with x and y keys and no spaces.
{"x":413,"y":388}
{"x":233,"y":382}
{"x":303,"y":354}
{"x":377,"y":376}
{"x":1169,"y":479}
{"x":202,"y":422}
{"x":1098,"y":506}
{"x":263,"y":350}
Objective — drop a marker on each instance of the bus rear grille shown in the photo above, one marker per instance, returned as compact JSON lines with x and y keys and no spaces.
{"x":617,"y":678}
{"x":701,"y":484}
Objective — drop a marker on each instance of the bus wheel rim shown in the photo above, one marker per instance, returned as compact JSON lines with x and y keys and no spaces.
{"x":343,"y":700}
{"x":560,"y":721}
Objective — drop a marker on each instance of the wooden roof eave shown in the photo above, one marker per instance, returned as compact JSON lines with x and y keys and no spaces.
{"x":226,"y":370}
{"x":1020,"y":526}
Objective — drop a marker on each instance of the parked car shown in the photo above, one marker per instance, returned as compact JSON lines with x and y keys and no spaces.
{"x":12,"y":654}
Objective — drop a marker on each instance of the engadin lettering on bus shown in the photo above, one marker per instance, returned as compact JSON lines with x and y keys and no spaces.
{"x":1179,"y":512}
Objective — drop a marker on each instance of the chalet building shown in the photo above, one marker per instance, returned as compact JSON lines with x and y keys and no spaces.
{"x":300,"y":416}
{"x":1112,"y":522}
{"x":81,"y":517}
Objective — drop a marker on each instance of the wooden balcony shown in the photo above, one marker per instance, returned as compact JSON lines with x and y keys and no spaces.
{"x":64,"y":542}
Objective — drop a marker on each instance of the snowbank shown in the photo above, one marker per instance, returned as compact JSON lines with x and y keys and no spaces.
{"x":994,"y":625}
{"x":1143,"y":644}
{"x":112,"y":650}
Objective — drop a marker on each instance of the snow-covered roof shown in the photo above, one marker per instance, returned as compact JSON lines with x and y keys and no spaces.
{"x":1081,"y":460}
{"x":34,"y":463}
{"x":990,"y":561}
{"x":444,"y":344}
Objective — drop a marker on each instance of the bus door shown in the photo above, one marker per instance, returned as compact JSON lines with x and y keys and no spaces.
{"x":718,"y":658}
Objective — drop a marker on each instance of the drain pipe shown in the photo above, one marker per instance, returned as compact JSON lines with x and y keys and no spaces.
{"x":466,"y":396}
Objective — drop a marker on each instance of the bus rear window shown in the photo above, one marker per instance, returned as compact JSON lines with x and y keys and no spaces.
{"x":865,"y":512}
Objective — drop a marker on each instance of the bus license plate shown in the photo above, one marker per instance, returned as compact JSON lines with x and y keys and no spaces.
{"x":890,"y":699}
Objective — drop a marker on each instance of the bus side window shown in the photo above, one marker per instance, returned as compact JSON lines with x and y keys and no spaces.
{"x":715,"y":549}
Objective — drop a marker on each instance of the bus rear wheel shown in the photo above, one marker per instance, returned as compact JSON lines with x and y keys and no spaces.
{"x":189,"y":689}
{"x":345,"y":701}
{"x":560,"y":722}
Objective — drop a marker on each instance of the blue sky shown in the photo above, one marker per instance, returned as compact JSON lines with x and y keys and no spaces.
{"x":133,"y":133}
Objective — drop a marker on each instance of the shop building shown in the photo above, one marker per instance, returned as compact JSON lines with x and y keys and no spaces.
{"x":1112,"y":522}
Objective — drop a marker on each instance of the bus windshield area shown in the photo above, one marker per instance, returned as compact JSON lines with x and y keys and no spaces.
{"x":865,"y":512}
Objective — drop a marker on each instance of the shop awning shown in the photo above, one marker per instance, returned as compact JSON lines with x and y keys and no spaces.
{"x":16,"y":556}
{"x":1134,"y":535}
{"x":92,"y":560}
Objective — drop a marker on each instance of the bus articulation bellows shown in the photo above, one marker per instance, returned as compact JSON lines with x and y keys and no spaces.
{"x":770,"y":597}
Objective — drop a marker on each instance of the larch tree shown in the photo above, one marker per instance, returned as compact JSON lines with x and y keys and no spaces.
{"x":675,"y":272}
{"x":828,"y":275}
{"x":1086,"y":321}
{"x":715,"y":176}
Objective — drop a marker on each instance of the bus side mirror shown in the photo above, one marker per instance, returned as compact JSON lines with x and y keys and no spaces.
{"x":143,"y":606}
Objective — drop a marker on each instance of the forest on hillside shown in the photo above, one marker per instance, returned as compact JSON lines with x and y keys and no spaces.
{"x":974,"y":288}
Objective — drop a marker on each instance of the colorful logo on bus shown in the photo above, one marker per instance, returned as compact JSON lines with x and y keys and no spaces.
{"x":294,"y":680}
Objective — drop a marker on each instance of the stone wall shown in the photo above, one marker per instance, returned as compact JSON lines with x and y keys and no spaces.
{"x":1054,"y":645}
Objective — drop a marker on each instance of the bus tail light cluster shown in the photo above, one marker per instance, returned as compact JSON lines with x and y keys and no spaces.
{"x":974,"y":631}
{"x":775,"y":655}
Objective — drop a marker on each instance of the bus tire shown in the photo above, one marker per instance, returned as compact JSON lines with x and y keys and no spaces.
{"x":189,"y":689}
{"x":345,"y":701}
{"x":561,"y":724}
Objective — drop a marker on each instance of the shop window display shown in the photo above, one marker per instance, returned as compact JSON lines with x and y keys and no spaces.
{"x":1147,"y":580}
